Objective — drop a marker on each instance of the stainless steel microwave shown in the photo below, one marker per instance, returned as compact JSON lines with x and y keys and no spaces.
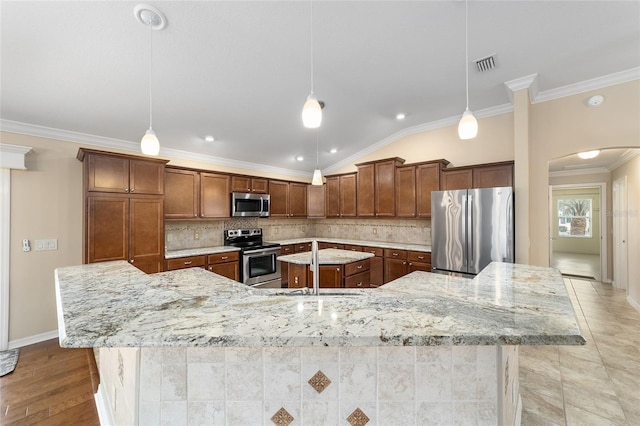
{"x":249,"y":205}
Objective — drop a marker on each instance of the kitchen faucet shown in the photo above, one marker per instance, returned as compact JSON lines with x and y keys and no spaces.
{"x":315,"y":267}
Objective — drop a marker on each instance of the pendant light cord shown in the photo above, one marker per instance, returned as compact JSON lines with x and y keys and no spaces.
{"x":150,"y":23}
{"x":317,"y":153}
{"x":311,"y":49}
{"x":466,"y":45}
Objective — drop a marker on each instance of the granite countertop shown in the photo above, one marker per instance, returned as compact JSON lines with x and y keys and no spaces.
{"x":326,"y":257}
{"x":173,"y":254}
{"x":381,"y":244}
{"x":113,"y":304}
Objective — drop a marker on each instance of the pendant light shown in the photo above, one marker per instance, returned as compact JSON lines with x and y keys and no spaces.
{"x":155,"y":20}
{"x":312,"y":110}
{"x":317,"y":174}
{"x":468,"y":125}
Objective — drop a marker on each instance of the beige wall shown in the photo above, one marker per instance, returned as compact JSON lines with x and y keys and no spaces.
{"x":47,"y":199}
{"x":631,"y":170}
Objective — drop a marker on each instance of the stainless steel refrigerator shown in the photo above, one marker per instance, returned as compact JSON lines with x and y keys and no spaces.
{"x":470,"y":228}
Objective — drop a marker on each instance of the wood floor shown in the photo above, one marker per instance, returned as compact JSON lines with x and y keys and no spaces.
{"x":50,"y":386}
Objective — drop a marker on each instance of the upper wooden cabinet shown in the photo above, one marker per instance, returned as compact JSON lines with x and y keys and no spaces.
{"x":191,"y":194}
{"x":341,"y":195}
{"x":249,"y":184}
{"x":376,"y":187}
{"x":110,"y":172}
{"x":316,"y":201}
{"x":406,"y":191}
{"x":427,"y":180}
{"x":477,"y":176}
{"x":288,"y":199}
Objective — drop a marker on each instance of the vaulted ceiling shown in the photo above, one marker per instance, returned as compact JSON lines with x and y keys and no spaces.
{"x":241,"y":70}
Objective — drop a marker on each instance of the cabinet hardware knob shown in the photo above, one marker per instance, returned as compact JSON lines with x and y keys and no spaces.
{"x":126,"y":190}
{"x":188,"y":263}
{"x":211,"y":268}
{"x":410,"y":264}
{"x":360,"y":267}
{"x":132,"y":189}
{"x":224,"y":257}
{"x":338,"y":269}
{"x":295,"y":280}
{"x":404,"y":263}
{"x":359,"y":284}
{"x":131,"y":261}
{"x":195,"y":215}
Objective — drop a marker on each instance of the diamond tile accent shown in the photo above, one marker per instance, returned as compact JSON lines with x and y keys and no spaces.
{"x":282,"y":418}
{"x":358,"y":418}
{"x":319,"y":381}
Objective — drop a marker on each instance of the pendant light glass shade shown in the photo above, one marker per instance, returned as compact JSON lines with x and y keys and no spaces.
{"x":317,"y":178}
{"x":468,"y":126}
{"x":311,"y":113}
{"x":150,"y":145}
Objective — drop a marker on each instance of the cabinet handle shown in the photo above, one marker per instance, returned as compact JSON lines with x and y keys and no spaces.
{"x":295,"y":280}
{"x":188,"y":263}
{"x":360,"y":267}
{"x":224,"y":257}
{"x":394,"y":254}
{"x":410,"y":264}
{"x":211,"y":268}
{"x":420,"y":257}
{"x":359,"y":284}
{"x":337,"y":269}
{"x":404,"y":263}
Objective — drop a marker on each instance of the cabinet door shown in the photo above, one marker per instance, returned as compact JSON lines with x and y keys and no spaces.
{"x":230,"y":270}
{"x":385,"y":189}
{"x":491,"y":176}
{"x":315,"y":201}
{"x":366,"y":190}
{"x":279,"y":196}
{"x":259,"y":186}
{"x":427,"y":180}
{"x":107,"y":174}
{"x":418,"y":266}
{"x":107,"y":231}
{"x":146,"y":234}
{"x":406,"y":191}
{"x":330,"y":277}
{"x":376,"y":271}
{"x":146,"y":177}
{"x":297,"y":199}
{"x":394,"y":268}
{"x":185,"y":262}
{"x":361,"y":280}
{"x":348,"y":197}
{"x":240,"y":184}
{"x":456,"y":179}
{"x":215,"y":198}
{"x":182,"y":194}
{"x":333,"y":196}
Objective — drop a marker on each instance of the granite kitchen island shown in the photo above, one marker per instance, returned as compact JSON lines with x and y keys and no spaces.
{"x":189,"y":346}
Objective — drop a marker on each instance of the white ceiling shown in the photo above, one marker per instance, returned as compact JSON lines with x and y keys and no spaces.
{"x":240,"y":70}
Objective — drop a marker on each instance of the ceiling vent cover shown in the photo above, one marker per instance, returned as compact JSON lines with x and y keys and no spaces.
{"x":487,"y":63}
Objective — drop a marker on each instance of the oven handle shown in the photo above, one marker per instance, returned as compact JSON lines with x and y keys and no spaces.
{"x":273,"y":250}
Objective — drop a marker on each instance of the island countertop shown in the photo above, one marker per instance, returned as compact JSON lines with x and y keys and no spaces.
{"x":113,"y":304}
{"x":326,"y":257}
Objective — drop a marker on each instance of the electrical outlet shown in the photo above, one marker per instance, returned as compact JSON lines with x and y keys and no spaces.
{"x":275,"y":230}
{"x":169,"y":237}
{"x":196,"y":235}
{"x":375,"y":231}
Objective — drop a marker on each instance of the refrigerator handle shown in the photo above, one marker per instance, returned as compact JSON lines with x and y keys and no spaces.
{"x":470,"y":236}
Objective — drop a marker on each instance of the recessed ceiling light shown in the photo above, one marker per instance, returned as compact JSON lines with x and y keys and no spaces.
{"x":589,"y":154}
{"x":400,"y":116}
{"x":209,"y":138}
{"x":595,"y":100}
{"x":300,"y":158}
{"x":333,"y":150}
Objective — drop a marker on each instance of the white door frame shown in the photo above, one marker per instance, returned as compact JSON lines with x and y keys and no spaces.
{"x":603,"y":232}
{"x":620,"y":219}
{"x":11,"y":157}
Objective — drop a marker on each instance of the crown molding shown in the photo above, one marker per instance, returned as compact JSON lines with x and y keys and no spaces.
{"x":627,"y":156}
{"x":104,"y":142}
{"x":425,"y":127}
{"x":580,"y":172}
{"x":13,"y":156}
{"x":588,"y":85}
{"x":529,"y":82}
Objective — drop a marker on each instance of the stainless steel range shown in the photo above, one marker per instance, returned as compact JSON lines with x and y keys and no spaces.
{"x":258,"y":267}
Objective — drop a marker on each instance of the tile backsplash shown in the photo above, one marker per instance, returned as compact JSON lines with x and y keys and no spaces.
{"x":181,"y":235}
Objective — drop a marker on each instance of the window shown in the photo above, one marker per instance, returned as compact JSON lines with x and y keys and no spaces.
{"x":574,"y":217}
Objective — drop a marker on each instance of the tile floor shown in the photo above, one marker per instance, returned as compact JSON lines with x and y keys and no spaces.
{"x":582,"y":265}
{"x":595,"y":384}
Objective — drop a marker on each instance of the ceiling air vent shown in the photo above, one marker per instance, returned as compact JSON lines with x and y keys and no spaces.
{"x":487,"y":63}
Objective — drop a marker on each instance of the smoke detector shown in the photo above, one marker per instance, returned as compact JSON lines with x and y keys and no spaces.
{"x":595,"y":100}
{"x":485,"y":64}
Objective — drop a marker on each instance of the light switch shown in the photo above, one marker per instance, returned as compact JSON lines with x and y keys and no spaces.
{"x":50,"y":244}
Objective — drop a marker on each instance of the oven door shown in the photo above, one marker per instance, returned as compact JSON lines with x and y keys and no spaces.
{"x":260,"y":266}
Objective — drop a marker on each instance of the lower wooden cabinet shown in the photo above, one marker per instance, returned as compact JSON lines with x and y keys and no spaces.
{"x":185,"y":262}
{"x":123,"y":227}
{"x":376,"y":265}
{"x":418,"y":261}
{"x":398,"y":263}
{"x":351,"y":275}
{"x":226,"y":264}
{"x":284,"y":266}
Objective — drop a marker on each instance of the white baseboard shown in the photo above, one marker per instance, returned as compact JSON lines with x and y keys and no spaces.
{"x":102,"y":405}
{"x":26,"y":341}
{"x":633,"y":303}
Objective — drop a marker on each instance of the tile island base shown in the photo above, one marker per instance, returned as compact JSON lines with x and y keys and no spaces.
{"x":314,"y":385}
